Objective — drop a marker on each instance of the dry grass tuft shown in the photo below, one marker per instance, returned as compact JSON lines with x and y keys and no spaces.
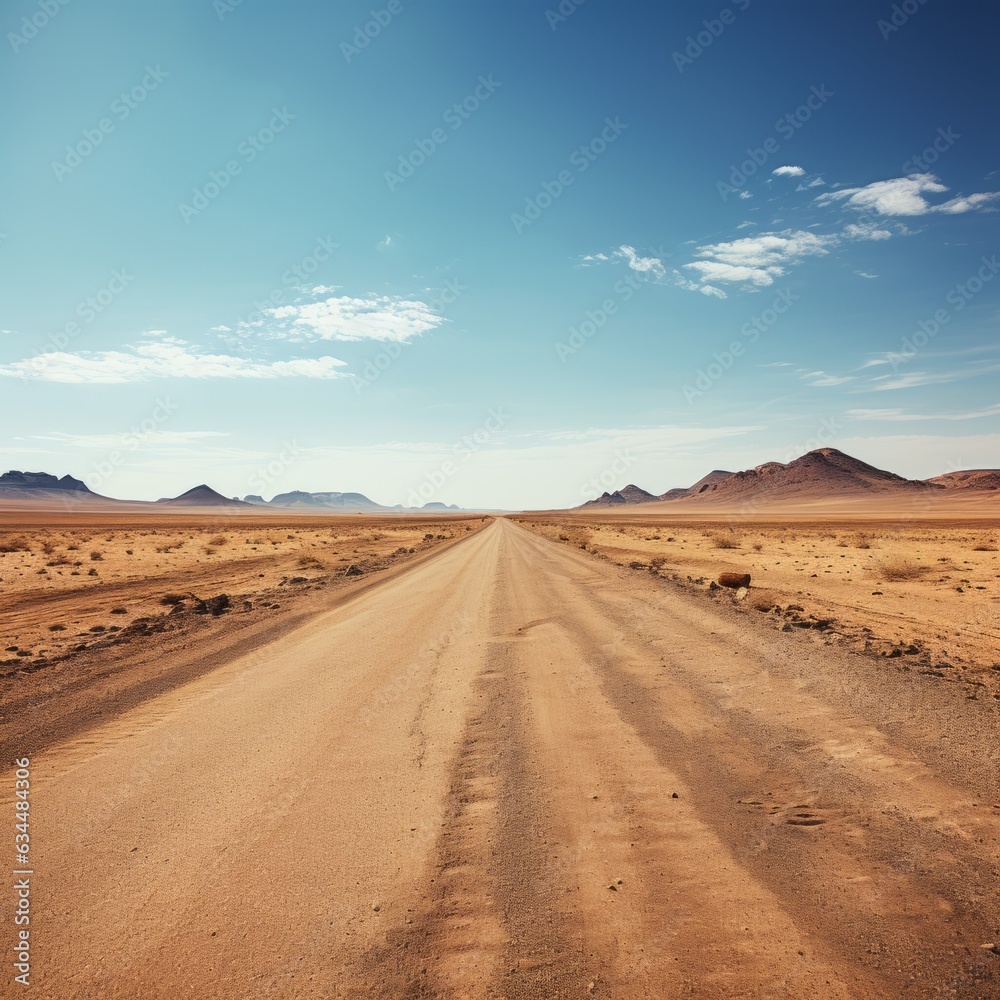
{"x":15,"y":545}
{"x":729,"y":541}
{"x":897,"y":568}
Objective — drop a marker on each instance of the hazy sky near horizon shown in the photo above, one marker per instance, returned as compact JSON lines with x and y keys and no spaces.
{"x":495,"y":254}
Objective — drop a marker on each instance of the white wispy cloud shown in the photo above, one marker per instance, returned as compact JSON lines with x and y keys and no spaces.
{"x":683,"y":281}
{"x":717,"y":270}
{"x":821,"y":378}
{"x":376,"y":317}
{"x":755,"y":262}
{"x":652,"y":266}
{"x":866,"y":231}
{"x":110,"y":441}
{"x":901,"y":415}
{"x":913,"y":380}
{"x":885,"y":358}
{"x":164,"y":358}
{"x":758,"y":260}
{"x":895,"y":357}
{"x":905,"y":196}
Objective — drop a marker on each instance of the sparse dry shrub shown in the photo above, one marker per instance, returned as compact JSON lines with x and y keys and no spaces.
{"x":863,"y":541}
{"x":896,"y":568}
{"x":722,"y":541}
{"x":218,"y":540}
{"x":15,"y":545}
{"x":984,"y":547}
{"x":96,"y":556}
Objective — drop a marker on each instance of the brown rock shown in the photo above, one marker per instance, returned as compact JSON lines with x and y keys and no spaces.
{"x":734,"y":580}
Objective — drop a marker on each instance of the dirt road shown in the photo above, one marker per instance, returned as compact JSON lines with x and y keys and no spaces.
{"x":515,"y":771}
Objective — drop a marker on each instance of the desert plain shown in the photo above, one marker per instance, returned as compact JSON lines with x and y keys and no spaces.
{"x":278,"y":754}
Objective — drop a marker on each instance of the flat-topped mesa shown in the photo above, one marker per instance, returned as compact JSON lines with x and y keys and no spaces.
{"x":40,"y":481}
{"x":340,"y":501}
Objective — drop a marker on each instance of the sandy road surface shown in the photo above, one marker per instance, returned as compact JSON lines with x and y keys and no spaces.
{"x":518,"y":772}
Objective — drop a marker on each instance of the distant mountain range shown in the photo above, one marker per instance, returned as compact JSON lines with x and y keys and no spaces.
{"x":335,"y":501}
{"x":633,"y":494}
{"x":40,"y":486}
{"x":825,"y":473}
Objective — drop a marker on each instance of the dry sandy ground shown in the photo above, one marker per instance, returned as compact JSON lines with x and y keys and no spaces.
{"x":84,"y":598}
{"x":926,"y":593}
{"x":509,"y":769}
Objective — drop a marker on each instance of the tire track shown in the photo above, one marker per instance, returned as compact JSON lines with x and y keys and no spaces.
{"x":491,"y":920}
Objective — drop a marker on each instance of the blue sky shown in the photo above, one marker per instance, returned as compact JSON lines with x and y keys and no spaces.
{"x":495,"y":254}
